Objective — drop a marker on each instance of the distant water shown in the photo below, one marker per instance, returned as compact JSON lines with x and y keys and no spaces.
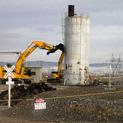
{"x":104,"y":69}
{"x":95,"y":67}
{"x":99,"y":69}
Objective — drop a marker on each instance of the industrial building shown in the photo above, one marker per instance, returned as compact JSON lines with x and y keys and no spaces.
{"x":36,"y":74}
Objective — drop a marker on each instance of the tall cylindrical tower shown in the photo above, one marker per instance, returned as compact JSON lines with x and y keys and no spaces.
{"x":76,"y":40}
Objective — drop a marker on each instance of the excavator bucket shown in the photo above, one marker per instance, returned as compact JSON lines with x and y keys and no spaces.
{"x":57,"y":47}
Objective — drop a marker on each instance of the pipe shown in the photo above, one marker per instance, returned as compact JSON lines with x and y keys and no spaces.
{"x":70,"y":10}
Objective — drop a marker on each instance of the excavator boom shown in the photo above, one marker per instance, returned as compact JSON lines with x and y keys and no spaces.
{"x":30,"y":49}
{"x":19,"y":70}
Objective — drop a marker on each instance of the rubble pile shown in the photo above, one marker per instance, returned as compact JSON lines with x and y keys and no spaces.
{"x":23,"y":91}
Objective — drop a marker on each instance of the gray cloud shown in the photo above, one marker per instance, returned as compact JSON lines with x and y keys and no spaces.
{"x":22,"y":21}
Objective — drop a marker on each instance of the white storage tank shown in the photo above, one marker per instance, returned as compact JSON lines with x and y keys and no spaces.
{"x":76,"y":40}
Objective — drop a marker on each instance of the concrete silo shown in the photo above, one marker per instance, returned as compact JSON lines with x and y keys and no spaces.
{"x":76,"y":40}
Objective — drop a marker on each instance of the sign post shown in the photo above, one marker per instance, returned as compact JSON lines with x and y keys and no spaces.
{"x":9,"y":75}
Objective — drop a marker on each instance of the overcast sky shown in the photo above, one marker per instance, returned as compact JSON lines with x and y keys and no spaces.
{"x":22,"y":21}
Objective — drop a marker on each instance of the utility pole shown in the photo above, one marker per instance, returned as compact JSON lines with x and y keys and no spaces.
{"x":110,"y":75}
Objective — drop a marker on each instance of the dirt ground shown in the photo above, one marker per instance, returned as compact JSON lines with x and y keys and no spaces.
{"x":91,"y":104}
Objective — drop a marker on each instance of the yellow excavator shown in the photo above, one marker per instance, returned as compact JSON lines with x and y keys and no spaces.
{"x":58,"y":75}
{"x":19,"y":72}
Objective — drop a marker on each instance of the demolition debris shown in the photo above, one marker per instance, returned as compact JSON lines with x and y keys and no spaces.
{"x":24,"y":91}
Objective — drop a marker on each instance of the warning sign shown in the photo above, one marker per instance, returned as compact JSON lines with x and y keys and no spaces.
{"x":39,"y":104}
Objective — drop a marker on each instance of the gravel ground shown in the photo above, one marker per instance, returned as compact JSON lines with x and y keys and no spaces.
{"x":87,"y":109}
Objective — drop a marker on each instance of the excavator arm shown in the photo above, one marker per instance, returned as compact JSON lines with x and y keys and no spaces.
{"x":59,"y":73}
{"x":60,"y":63}
{"x":42,"y":45}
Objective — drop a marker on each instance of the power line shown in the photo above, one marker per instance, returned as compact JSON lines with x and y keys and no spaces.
{"x":10,"y":52}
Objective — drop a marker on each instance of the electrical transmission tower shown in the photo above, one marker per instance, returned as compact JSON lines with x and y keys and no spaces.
{"x":116,"y":64}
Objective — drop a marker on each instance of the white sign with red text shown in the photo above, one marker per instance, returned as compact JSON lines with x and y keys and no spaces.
{"x":39,"y":104}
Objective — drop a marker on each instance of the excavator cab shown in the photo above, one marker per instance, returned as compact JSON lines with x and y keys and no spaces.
{"x":56,"y":76}
{"x":28,"y":72}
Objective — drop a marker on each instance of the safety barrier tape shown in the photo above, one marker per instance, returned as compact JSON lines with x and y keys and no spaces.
{"x":72,"y":96}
